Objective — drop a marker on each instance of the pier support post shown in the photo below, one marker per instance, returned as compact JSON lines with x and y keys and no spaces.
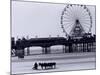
{"x":49,"y":50}
{"x":83,"y":47}
{"x":70,"y":48}
{"x":28,"y":51}
{"x":87,"y":48}
{"x":43,"y":50}
{"x":66,"y":49}
{"x":63,"y":49}
{"x":46,"y":50}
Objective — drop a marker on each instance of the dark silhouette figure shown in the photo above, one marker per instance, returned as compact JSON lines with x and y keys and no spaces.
{"x":50,"y":65}
{"x":35,"y":66}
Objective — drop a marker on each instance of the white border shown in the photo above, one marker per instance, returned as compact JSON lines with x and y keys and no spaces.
{"x":5,"y":37}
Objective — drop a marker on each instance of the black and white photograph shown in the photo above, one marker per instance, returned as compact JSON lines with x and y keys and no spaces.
{"x":52,"y":37}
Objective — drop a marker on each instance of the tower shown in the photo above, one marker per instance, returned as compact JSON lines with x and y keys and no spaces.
{"x":77,"y":30}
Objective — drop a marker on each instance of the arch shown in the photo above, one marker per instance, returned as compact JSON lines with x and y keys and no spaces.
{"x":34,"y":50}
{"x":56,"y":48}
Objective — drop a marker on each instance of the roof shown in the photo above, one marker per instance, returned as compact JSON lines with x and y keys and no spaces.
{"x":47,"y":39}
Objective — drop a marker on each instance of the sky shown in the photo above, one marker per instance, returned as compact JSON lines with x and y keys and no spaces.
{"x":39,"y":19}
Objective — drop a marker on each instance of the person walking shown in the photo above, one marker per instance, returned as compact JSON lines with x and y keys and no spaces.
{"x":35,"y":66}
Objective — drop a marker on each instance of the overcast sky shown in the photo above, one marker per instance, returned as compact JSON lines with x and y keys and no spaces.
{"x":41,"y":19}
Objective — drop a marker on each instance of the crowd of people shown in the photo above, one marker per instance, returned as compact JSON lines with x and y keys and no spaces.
{"x":50,"y":65}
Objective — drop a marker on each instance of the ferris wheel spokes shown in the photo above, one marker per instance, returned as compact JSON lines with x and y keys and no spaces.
{"x":76,"y":20}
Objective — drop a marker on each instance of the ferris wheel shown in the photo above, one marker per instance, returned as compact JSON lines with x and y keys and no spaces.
{"x":76,"y":20}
